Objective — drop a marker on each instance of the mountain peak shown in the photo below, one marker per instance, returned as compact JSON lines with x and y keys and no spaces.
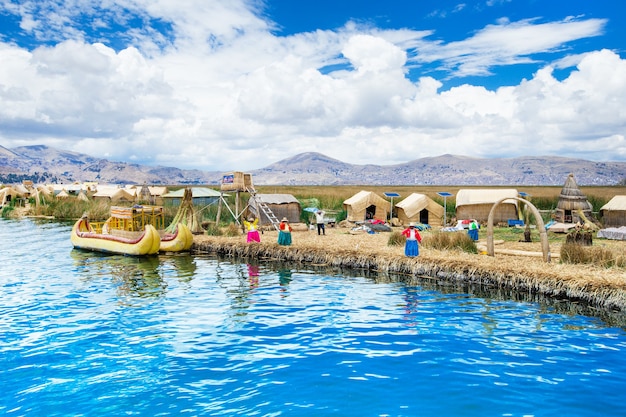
{"x":306,"y":161}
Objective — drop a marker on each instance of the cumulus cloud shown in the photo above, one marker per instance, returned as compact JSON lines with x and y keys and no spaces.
{"x":210,"y":86}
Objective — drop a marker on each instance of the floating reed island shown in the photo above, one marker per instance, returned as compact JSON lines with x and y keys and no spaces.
{"x":515,"y":266}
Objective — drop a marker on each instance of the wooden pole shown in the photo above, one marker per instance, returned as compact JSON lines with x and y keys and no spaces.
{"x":219,"y":209}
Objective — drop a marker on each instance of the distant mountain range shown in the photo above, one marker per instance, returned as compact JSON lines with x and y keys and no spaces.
{"x":43,"y":164}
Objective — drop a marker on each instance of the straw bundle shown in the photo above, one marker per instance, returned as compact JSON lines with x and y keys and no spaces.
{"x":185,"y":215}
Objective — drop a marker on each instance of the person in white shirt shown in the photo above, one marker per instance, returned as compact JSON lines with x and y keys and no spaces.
{"x":319,"y":220}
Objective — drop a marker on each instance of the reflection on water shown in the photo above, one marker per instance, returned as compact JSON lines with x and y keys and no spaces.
{"x":253,"y":275}
{"x":134,"y":276}
{"x":284,"y":276}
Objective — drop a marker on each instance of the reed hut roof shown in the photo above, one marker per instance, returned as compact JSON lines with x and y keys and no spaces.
{"x":277,"y":199}
{"x":45,"y":189}
{"x":359,"y":206}
{"x":414,"y":203}
{"x":123,"y":195}
{"x":485,"y":196}
{"x":196,"y":192}
{"x":363,"y":199}
{"x":617,"y":203}
{"x":21,"y":189}
{"x":282,"y":205}
{"x":157,"y":191}
{"x":571,"y":198}
{"x":82,"y":196}
{"x":62,"y":194}
{"x":12,"y":191}
{"x":115,"y":194}
{"x":105,"y":190}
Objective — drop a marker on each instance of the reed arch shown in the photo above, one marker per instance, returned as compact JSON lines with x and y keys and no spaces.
{"x":545,"y":247}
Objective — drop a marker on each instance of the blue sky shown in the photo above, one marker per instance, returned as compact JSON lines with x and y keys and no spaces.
{"x":239,"y":84}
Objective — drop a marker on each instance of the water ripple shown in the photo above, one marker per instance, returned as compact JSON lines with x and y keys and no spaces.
{"x":172,"y":335}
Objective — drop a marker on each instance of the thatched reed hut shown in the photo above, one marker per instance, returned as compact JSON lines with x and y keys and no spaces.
{"x":477,"y":203}
{"x":613,"y":213}
{"x":282,"y":205}
{"x":420,"y":208}
{"x":144,"y":195}
{"x":8,"y":194}
{"x":571,"y":201}
{"x":152,"y":195}
{"x":366,"y":205}
{"x":82,"y":196}
{"x":62,"y":195}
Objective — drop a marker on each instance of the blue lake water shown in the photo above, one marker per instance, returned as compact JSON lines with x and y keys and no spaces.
{"x":84,"y":334}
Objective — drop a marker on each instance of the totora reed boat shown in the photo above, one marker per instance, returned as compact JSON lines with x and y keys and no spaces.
{"x":84,"y":236}
{"x":129,"y":221}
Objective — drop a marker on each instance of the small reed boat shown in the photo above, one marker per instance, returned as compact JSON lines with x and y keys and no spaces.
{"x":84,"y":236}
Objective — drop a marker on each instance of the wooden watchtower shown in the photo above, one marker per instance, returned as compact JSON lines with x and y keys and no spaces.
{"x":240,"y":182}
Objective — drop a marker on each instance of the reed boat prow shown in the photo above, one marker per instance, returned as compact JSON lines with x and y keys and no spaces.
{"x":179,"y":241}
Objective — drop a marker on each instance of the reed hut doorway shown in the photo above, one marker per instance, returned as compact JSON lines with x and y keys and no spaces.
{"x":567,"y":216}
{"x":370,"y":212}
{"x":424,"y":216}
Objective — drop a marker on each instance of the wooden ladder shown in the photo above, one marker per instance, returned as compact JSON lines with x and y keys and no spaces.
{"x":264,"y":208}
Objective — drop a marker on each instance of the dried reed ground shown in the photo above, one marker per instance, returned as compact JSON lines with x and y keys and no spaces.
{"x":599,"y":287}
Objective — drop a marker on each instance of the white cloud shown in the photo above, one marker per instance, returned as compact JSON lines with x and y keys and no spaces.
{"x":507,"y":43}
{"x":223,"y":93}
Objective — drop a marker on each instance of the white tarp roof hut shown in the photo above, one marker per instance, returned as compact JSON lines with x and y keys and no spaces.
{"x":477,"y":203}
{"x":613,"y":213}
{"x":200,"y":196}
{"x":421,"y":209}
{"x":366,"y":205}
{"x":282,"y":205}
